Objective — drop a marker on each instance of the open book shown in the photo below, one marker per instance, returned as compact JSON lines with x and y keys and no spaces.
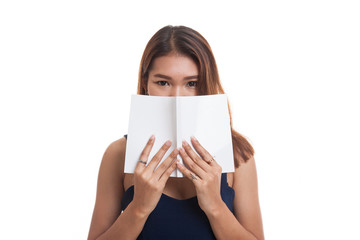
{"x":178,"y":118}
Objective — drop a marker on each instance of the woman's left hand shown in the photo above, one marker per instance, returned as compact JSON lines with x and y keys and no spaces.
{"x":204,"y":172}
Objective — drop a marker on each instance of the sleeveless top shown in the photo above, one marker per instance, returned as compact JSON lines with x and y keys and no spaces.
{"x":179,"y":219}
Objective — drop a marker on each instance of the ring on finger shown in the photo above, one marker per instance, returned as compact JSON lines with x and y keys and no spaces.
{"x":193,"y":176}
{"x":143,"y":162}
{"x":212,"y":159}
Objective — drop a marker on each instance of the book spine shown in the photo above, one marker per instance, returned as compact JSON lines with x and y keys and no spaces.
{"x":178,"y":132}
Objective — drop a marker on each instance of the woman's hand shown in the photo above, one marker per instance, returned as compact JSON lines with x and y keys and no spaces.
{"x":204,"y":172}
{"x":148,"y":182}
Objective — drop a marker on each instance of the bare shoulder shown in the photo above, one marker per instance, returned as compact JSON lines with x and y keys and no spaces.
{"x":115,"y":153}
{"x":111,"y":173}
{"x":246,"y":170}
{"x":116,"y":148}
{"x":246,"y":202}
{"x":109,"y":188}
{"x":246,"y":183}
{"x":113,"y":159}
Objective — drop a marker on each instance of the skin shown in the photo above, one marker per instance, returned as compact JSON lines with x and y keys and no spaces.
{"x":173,"y":75}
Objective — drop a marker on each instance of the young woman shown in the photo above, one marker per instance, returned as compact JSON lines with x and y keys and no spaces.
{"x":206,"y":204}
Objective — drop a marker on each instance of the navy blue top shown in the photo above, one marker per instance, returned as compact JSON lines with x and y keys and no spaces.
{"x":179,"y":219}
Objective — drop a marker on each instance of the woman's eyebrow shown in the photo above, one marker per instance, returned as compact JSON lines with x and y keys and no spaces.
{"x":169,"y":78}
{"x":191,"y":77}
{"x":162,"y":76}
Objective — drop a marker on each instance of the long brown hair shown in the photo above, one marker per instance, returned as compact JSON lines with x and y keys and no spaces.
{"x":188,"y":42}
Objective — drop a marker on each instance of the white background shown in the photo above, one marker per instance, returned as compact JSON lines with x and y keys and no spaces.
{"x":290,"y":68}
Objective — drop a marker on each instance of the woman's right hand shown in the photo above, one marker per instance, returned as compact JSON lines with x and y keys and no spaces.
{"x":148,"y":182}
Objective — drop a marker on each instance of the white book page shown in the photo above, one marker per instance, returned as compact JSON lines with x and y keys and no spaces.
{"x":149,"y":115}
{"x":207,"y":118}
{"x":177,"y":119}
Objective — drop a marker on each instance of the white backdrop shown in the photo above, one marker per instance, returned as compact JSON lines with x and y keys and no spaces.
{"x":290,"y":68}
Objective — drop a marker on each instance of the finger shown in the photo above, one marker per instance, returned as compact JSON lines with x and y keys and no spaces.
{"x":145,"y":153}
{"x":192,"y":165}
{"x":163,"y":179}
{"x":195,"y":157}
{"x":166,"y":163}
{"x":158,"y":156}
{"x":187,"y":173}
{"x":202,"y":151}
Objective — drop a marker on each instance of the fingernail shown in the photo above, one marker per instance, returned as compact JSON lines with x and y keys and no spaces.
{"x":185,"y":143}
{"x":193,"y":138}
{"x":168,"y":143}
{"x":181,"y":150}
{"x":152,"y":137}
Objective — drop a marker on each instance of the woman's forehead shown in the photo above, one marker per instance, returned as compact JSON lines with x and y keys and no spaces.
{"x":174,"y":64}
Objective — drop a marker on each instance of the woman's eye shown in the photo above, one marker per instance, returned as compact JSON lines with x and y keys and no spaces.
{"x":192,"y":83}
{"x":162,"y":83}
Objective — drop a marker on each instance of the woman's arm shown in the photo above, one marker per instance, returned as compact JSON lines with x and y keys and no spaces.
{"x":247,"y":223}
{"x":108,"y":197}
{"x":108,"y":222}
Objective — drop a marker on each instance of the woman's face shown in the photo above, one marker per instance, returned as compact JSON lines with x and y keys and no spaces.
{"x":173,"y":75}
